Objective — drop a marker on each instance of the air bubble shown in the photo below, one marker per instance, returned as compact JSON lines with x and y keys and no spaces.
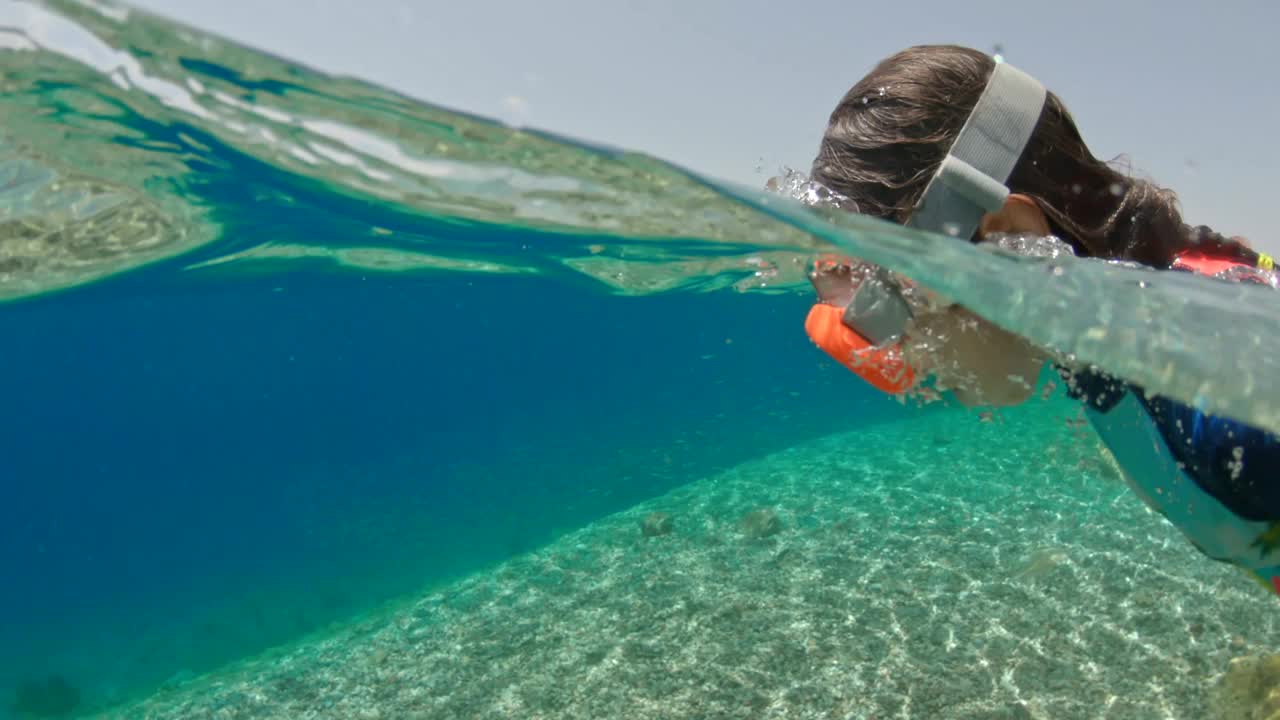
{"x":1236,"y":464}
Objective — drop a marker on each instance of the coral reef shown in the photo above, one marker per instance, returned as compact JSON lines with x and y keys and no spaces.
{"x":1249,"y":690}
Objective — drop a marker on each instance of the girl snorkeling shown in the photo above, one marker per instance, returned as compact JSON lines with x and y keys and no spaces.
{"x":950,"y":140}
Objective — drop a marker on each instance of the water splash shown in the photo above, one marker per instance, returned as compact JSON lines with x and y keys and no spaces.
{"x":1028,"y":245}
{"x":800,"y":187}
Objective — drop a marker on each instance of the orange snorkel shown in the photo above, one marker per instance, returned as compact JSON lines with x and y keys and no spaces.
{"x":863,"y":331}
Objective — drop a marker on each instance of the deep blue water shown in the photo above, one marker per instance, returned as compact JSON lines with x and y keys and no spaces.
{"x":197,"y":470}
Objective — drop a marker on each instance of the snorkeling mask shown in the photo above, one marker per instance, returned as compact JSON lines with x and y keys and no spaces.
{"x":969,"y":184}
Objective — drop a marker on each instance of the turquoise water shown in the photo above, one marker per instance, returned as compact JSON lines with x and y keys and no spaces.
{"x":289,"y":355}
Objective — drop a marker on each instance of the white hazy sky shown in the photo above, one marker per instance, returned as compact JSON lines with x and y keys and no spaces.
{"x":1190,"y":93}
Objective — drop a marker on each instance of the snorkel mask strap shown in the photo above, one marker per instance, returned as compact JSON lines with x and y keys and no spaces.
{"x":971,"y":181}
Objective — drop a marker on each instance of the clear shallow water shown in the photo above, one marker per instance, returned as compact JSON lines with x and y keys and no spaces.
{"x":283,"y":346}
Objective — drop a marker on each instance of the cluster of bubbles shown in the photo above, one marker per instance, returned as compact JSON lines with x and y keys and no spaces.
{"x":799,"y":186}
{"x":1240,"y":273}
{"x":1028,"y":245}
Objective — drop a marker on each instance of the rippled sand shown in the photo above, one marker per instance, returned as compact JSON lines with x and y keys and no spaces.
{"x":941,"y":568}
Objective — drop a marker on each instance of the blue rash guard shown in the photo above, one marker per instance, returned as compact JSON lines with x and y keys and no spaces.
{"x":1236,"y":463}
{"x":1217,"y":480}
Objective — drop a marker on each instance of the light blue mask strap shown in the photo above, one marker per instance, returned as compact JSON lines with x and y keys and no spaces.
{"x":971,"y":181}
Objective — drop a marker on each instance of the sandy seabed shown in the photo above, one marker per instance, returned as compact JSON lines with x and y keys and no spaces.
{"x":937,"y":568}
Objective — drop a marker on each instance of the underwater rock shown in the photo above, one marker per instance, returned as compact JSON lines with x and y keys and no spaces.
{"x":655,"y":524}
{"x":1249,"y":690}
{"x":52,"y":699}
{"x":1041,"y":562}
{"x":760,"y":523}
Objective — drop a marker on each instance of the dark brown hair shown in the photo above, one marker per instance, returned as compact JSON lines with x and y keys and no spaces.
{"x":891,"y":131}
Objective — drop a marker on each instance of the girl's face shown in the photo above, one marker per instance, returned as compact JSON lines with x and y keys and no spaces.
{"x":980,"y":362}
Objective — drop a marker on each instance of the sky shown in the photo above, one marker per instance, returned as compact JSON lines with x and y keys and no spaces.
{"x":739,"y":88}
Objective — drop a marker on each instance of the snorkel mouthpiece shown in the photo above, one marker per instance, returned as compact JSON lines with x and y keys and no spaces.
{"x":878,"y":311}
{"x":970,"y":183}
